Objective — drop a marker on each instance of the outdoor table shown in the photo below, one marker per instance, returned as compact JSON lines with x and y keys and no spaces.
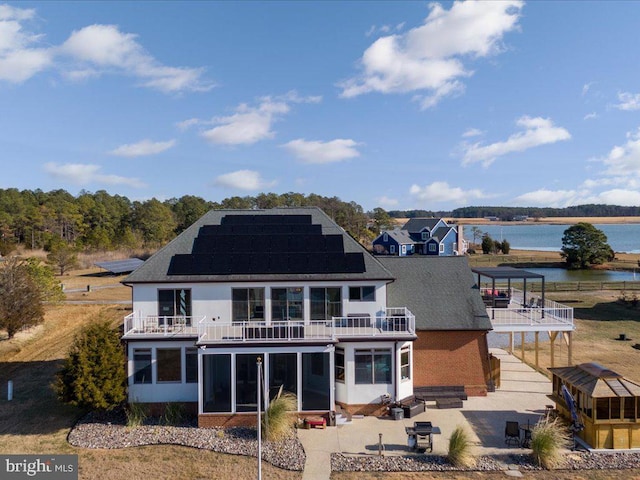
{"x":526,"y":431}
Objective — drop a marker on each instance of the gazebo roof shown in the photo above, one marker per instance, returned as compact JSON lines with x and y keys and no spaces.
{"x":500,"y":273}
{"x":597,"y":381}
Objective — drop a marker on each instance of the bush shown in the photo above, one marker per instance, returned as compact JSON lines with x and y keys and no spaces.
{"x":548,"y":439}
{"x":277,"y":421}
{"x":93,"y":374}
{"x":460,"y":449}
{"x":136,"y":414}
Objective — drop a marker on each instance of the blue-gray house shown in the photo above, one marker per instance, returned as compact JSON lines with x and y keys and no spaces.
{"x":426,"y":236}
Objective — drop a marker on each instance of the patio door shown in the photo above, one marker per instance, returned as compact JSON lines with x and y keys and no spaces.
{"x":172,"y":303}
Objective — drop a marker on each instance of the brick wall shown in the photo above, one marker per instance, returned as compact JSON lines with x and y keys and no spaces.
{"x":452,"y":358}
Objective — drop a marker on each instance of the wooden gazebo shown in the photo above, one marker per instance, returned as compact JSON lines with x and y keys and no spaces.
{"x":607,"y":404}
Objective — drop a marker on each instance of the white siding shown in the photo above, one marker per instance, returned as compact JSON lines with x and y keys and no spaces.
{"x":160,"y":392}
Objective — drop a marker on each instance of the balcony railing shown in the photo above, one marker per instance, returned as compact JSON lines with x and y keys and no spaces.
{"x":155,"y":325}
{"x":532,"y":314}
{"x":396,"y":322}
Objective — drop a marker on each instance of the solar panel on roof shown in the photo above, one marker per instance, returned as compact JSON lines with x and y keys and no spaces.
{"x":121,"y":266}
{"x":334,"y":243}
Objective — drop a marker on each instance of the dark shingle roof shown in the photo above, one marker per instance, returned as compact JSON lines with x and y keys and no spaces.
{"x":441,"y":232}
{"x":261,"y":245}
{"x":414,"y":225}
{"x":400,"y":236}
{"x":440,"y":291}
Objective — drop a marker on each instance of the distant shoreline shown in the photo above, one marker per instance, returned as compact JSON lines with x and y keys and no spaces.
{"x":548,"y":221}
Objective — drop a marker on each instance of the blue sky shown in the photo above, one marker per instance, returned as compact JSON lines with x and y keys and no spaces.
{"x":400,"y":105}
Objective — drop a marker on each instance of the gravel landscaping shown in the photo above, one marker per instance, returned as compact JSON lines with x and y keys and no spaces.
{"x":110,"y":431}
{"x":415,"y":463}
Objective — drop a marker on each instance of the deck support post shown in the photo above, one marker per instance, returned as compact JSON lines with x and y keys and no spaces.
{"x":567,"y":339}
{"x":536,"y":335}
{"x":552,"y":339}
{"x":511,"y":343}
{"x":522,"y":344}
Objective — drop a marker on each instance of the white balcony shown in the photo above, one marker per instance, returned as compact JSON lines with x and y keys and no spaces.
{"x":531,"y":315}
{"x":394,"y":323}
{"x":153,"y":326}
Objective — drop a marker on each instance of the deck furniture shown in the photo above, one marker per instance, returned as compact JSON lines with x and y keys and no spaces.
{"x":512,"y":433}
{"x":449,"y":402}
{"x":526,"y":435}
{"x":432,"y":393}
{"x":411,"y":406}
{"x":315,"y":422}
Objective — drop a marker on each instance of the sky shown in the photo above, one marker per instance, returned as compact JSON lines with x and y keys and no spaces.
{"x":399,"y":105}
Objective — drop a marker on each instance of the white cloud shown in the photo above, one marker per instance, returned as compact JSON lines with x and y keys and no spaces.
{"x":86,"y":174}
{"x":322,"y":152}
{"x":549,"y":198}
{"x":590,"y":116}
{"x":472,"y":132}
{"x":243,"y":180}
{"x":566,"y":198}
{"x":88,"y":52}
{"x":106,"y":49}
{"x":385,"y":201}
{"x":142,"y":148}
{"x":624,"y":160}
{"x":247,"y":126}
{"x":251,"y":124}
{"x":586,"y":87}
{"x":429,"y":58}
{"x":628,"y":101}
{"x":537,"y":131}
{"x":186,"y":124}
{"x":441,"y":192}
{"x":19,"y":59}
{"x":619,"y":196}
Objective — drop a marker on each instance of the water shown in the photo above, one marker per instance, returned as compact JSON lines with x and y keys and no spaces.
{"x":563,"y":275}
{"x":624,"y":238}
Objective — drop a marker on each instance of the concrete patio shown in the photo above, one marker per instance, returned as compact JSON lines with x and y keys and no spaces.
{"x":522,"y":398}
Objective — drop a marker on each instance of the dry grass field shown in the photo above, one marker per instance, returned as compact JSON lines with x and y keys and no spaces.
{"x":35,"y":422}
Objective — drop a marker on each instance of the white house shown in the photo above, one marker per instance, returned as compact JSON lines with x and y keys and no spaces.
{"x":288,"y":286}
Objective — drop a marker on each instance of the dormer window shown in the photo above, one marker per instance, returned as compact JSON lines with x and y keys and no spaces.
{"x":425,"y":235}
{"x":385,"y":237}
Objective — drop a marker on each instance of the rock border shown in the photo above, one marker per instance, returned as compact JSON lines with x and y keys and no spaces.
{"x":110,"y":431}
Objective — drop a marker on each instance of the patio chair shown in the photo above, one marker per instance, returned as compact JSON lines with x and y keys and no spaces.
{"x":512,"y":433}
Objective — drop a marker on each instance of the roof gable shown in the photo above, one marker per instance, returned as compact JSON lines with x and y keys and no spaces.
{"x":260,"y":245}
{"x":417,"y":225}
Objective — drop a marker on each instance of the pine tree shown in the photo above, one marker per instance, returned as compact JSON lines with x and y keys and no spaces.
{"x":93,"y":375}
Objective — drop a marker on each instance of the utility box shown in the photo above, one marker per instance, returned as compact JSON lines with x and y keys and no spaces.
{"x":397,"y":413}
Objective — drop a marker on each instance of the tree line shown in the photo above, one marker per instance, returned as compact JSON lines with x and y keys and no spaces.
{"x":508,"y":213}
{"x":99,"y":221}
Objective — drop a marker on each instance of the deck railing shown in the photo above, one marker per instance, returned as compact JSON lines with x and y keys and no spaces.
{"x":394,"y":322}
{"x":156,"y":325}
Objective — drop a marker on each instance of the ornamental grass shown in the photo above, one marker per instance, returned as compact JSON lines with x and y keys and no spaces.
{"x":278,"y":421}
{"x":548,"y":440}
{"x":460,"y":454}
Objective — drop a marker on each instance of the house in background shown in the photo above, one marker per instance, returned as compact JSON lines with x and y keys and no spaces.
{"x":291,"y":287}
{"x":394,"y":242}
{"x":426,"y":236}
